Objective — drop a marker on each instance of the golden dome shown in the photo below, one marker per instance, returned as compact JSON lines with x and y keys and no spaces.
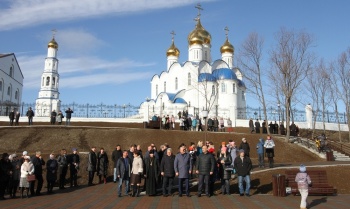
{"x":199,"y":35}
{"x":173,"y":51}
{"x":52,"y":44}
{"x":227,"y":47}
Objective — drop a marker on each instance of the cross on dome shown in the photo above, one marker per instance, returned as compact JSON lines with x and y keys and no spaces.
{"x":226,"y":31}
{"x":172,"y":35}
{"x":199,"y":7}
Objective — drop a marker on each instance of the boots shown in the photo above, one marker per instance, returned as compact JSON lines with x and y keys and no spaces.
{"x":132,"y":191}
{"x":138,"y":191}
{"x":22,"y":190}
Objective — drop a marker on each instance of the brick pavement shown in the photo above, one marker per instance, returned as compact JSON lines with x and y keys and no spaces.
{"x":105,"y":196}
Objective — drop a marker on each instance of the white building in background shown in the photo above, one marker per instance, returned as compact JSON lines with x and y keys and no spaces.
{"x":11,"y":83}
{"x":199,"y":83}
{"x":48,"y":99}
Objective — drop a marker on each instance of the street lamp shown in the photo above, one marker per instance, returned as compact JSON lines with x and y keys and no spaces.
{"x":279,"y":113}
{"x":255,"y":113}
{"x":124,"y":106}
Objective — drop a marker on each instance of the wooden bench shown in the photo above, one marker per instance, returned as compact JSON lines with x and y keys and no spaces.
{"x":319,"y":181}
{"x":153,"y":124}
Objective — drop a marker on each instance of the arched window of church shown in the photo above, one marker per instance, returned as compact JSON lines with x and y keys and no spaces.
{"x":164,"y":86}
{"x":47,"y":80}
{"x":213,"y":90}
{"x":9,"y":91}
{"x":234,"y":88}
{"x":16,"y":95}
{"x":11,"y":71}
{"x":189,"y":79}
{"x":0,"y":85}
{"x":53,"y":81}
{"x":157,"y":89}
{"x":223,"y":88}
{"x":176,"y":84}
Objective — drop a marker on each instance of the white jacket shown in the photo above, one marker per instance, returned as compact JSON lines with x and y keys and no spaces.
{"x":27,"y":168}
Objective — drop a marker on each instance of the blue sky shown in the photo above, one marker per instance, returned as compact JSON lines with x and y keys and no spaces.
{"x":109,"y":50}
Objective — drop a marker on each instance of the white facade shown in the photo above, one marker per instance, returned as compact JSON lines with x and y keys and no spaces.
{"x":197,"y":84}
{"x":48,"y":99}
{"x":11,"y":83}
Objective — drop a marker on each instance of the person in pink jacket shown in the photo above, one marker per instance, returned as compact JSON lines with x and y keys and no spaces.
{"x":303,"y":180}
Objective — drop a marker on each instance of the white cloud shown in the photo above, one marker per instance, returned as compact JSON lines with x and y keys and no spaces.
{"x":20,"y":13}
{"x":84,"y":71}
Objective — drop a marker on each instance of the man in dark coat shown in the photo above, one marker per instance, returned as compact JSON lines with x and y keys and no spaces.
{"x":62,"y":168}
{"x":16,"y":173}
{"x":245,"y":146}
{"x":74,"y":161}
{"x":30,"y":115}
{"x":204,"y":168}
{"x":68,"y":116}
{"x":264,"y":128}
{"x":5,"y":173}
{"x":183,"y":168}
{"x":151,"y":173}
{"x":123,"y":171}
{"x":210,"y":124}
{"x":53,"y":117}
{"x":257,"y":126}
{"x":276,"y":127}
{"x":92,"y":163}
{"x":17,"y":116}
{"x":251,"y":125}
{"x":51,"y":173}
{"x":117,"y":153}
{"x":167,"y":171}
{"x":243,"y":166}
{"x":38,"y":163}
{"x":12,"y":117}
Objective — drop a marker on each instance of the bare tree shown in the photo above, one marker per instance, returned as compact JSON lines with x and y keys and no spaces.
{"x":342,"y":72}
{"x":249,"y":59}
{"x":334,"y":96}
{"x":318,"y":87}
{"x":291,"y":61}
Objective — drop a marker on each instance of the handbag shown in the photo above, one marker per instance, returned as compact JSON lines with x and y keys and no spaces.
{"x":229,"y":168}
{"x":30,"y":177}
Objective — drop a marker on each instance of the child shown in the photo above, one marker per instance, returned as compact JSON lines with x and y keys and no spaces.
{"x":303,"y":180}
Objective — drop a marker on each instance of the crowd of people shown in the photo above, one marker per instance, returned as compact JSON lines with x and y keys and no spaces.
{"x":274,"y":128}
{"x":159,"y":168}
{"x":14,"y":117}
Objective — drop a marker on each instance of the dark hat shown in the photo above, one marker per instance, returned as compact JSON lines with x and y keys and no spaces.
{"x":151,"y":151}
{"x":74,"y":149}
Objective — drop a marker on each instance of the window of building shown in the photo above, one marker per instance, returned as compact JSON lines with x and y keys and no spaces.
{"x":53,"y":81}
{"x":9,"y":90}
{"x":0,"y":85}
{"x":11,"y":71}
{"x":16,"y":95}
{"x":157,"y":89}
{"x":223,"y":87}
{"x":176,"y":84}
{"x":213,"y":90}
{"x":189,"y":79}
{"x":164,"y":86}
{"x":47,"y":80}
{"x":234,"y":88}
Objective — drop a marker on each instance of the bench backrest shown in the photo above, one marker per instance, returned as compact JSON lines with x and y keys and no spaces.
{"x":317,"y":176}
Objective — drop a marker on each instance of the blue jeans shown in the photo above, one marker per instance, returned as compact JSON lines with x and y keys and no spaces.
{"x":186,"y":186}
{"x":240,"y":184}
{"x":261,"y":159}
{"x":115,"y":174}
{"x":120,"y":183}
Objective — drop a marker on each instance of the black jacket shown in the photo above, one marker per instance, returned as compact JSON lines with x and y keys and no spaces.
{"x":73,"y":158}
{"x":5,"y":169}
{"x":167,"y":165}
{"x":38,"y":165}
{"x":155,"y":167}
{"x":92,"y":161}
{"x":120,"y":167}
{"x":116,"y":154}
{"x":205,"y":163}
{"x":245,"y":147}
{"x":222,"y":166}
{"x":243,"y":168}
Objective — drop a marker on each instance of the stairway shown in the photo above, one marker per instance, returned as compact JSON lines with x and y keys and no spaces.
{"x":340,"y":157}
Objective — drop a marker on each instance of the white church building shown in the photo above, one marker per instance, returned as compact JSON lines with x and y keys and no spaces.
{"x":201,"y":83}
{"x":48,"y":99}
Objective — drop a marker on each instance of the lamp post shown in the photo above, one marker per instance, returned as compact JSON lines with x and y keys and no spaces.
{"x":124,"y":106}
{"x":160,"y":111}
{"x":147,"y":100}
{"x":205,"y":116}
{"x":279,"y":113}
{"x":115,"y":110}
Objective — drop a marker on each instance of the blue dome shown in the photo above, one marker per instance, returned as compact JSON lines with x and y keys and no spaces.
{"x":180,"y":101}
{"x":206,"y":77}
{"x":224,"y":73}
